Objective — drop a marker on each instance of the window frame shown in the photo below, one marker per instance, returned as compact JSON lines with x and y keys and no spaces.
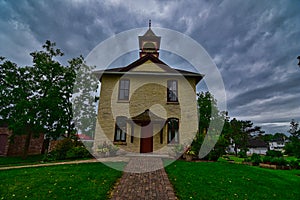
{"x":173,"y":131}
{"x":121,"y":89}
{"x":123,"y":129}
{"x":170,"y":89}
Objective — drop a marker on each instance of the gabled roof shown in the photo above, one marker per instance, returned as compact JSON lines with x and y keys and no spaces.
{"x":147,"y":116}
{"x":256,"y":143}
{"x":149,"y":57}
{"x":149,"y":32}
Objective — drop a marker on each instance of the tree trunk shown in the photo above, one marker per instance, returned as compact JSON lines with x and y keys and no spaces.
{"x":27,"y":144}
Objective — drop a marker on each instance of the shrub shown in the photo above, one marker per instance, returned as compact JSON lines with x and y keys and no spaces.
{"x":255,"y":158}
{"x":67,"y":148}
{"x":273,"y":153}
{"x":113,"y":150}
{"x":295,"y":164}
{"x":61,"y":149}
{"x":266,"y":159}
{"x":279,"y":161}
{"x":242,"y":154}
{"x":78,"y":152}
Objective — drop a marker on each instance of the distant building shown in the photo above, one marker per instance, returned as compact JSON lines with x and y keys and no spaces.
{"x":277,"y":144}
{"x":258,"y":146}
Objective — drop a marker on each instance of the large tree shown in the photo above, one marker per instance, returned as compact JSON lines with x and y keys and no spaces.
{"x":37,"y":99}
{"x":293,"y":147}
{"x":240,"y":133}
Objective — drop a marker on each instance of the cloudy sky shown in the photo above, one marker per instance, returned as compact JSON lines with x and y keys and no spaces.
{"x":253,"y":43}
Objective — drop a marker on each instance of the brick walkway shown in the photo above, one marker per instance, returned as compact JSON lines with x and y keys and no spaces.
{"x":144,"y":178}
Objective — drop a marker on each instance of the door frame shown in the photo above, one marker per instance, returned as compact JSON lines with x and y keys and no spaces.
{"x":149,"y":131}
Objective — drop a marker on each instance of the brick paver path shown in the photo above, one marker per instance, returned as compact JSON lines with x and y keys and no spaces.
{"x":144,"y":178}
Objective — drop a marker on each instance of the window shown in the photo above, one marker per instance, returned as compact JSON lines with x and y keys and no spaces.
{"x":173,"y":134}
{"x":120,"y":130}
{"x":172,"y":91}
{"x":124,"y":89}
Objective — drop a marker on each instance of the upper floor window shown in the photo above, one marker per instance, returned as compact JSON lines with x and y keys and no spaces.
{"x":172,"y":91}
{"x":120,"y":130}
{"x":124,"y":85}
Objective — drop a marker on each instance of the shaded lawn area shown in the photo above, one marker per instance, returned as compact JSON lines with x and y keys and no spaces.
{"x":220,"y":180}
{"x":31,"y":160}
{"x":17,"y":160}
{"x":80,"y":181}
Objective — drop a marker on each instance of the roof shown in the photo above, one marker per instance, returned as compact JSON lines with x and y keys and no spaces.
{"x":255,"y":143}
{"x":147,"y":116}
{"x":168,"y":70}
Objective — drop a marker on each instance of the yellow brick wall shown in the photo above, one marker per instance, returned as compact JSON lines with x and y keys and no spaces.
{"x":146,"y":92}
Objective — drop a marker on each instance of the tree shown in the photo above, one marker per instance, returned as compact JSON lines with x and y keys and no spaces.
{"x":37,"y":99}
{"x":240,"y":133}
{"x":208,"y":111}
{"x":293,"y":147}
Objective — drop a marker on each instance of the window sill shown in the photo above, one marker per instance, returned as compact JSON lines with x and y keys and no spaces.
{"x":120,"y":143}
{"x":173,"y":103}
{"x":123,"y":101}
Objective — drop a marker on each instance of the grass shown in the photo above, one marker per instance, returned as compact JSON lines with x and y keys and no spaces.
{"x":30,"y":160}
{"x":220,"y":180}
{"x":232,"y":157}
{"x":80,"y":181}
{"x":17,"y":160}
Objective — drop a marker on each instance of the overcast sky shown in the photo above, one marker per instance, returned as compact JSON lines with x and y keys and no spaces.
{"x":253,"y":43}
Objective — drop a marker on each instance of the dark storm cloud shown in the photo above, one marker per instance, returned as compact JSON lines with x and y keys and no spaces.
{"x":254,"y":44}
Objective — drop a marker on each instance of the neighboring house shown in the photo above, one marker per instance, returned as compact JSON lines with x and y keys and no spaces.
{"x":257,"y":146}
{"x":147,"y":106}
{"x":15,"y":148}
{"x":277,"y":144}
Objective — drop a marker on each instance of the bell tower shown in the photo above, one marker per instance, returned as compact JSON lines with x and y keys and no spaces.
{"x":149,"y":43}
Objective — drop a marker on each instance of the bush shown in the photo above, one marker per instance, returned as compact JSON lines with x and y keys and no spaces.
{"x":242,"y":154}
{"x":61,"y":149}
{"x":273,"y":153}
{"x":78,"y":152}
{"x":279,"y":161}
{"x":267,"y":159}
{"x":295,"y":164}
{"x":67,"y":148}
{"x":255,"y":158}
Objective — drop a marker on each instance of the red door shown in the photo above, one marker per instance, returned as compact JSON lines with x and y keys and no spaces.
{"x":3,"y":143}
{"x":146,"y":139}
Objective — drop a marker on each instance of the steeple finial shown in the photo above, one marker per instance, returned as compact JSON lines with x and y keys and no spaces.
{"x":149,"y":23}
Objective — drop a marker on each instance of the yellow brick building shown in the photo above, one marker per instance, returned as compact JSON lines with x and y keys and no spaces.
{"x":147,"y":106}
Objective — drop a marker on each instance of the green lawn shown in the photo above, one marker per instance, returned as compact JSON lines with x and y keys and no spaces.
{"x":30,"y":160}
{"x":17,"y":160}
{"x":220,"y":180}
{"x":80,"y":181}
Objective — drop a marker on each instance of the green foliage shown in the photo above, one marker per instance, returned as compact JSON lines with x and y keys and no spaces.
{"x":36,"y":99}
{"x":242,"y":154}
{"x":78,"y":152}
{"x":267,"y":159}
{"x":273,"y":153}
{"x":294,"y":147}
{"x":279,"y":161}
{"x":68,"y":149}
{"x":295,"y":164}
{"x":256,"y":159}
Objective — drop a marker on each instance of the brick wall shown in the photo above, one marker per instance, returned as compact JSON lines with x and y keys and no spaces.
{"x":16,"y":148}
